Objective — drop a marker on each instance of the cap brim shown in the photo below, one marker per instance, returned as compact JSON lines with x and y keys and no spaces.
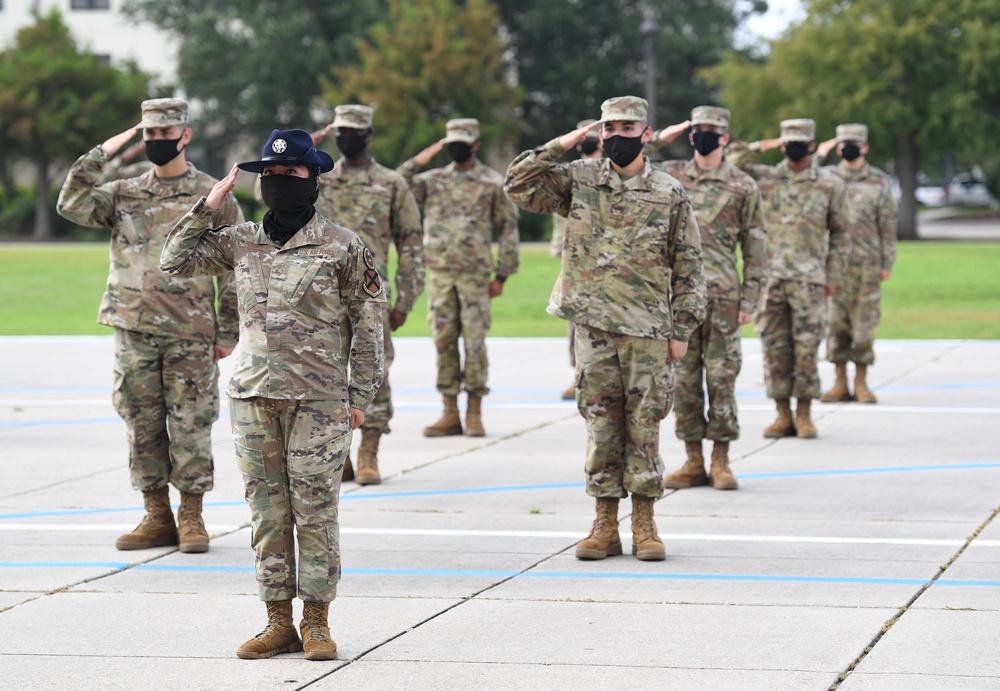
{"x":143,"y":124}
{"x":350,"y":124}
{"x":314,"y":158}
{"x":713,"y":123}
{"x":465,"y":140}
{"x":798,"y":138}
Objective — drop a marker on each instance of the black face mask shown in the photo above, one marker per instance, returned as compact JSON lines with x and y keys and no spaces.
{"x":290,"y":202}
{"x":352,"y":144}
{"x":850,"y":152}
{"x":705,"y":142}
{"x":160,"y":152}
{"x":588,"y":146}
{"x":623,"y":150}
{"x":796,"y":151}
{"x":460,"y":152}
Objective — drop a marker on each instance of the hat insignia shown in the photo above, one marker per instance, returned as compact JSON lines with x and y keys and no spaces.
{"x":279,"y":146}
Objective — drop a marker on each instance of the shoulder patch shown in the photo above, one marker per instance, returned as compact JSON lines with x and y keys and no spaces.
{"x":371,"y":283}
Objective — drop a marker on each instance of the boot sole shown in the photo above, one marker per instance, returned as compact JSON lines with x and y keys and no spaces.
{"x":676,"y":484}
{"x":475,"y":434}
{"x":614,"y":550}
{"x":193,"y":547}
{"x":313,"y":655}
{"x":369,"y":481}
{"x":724,"y":485}
{"x":290,"y":648}
{"x":437,"y":433}
{"x":158,"y":542}
{"x":774,"y":435}
{"x":649,"y":554}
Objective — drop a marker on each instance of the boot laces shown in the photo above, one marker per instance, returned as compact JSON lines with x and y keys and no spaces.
{"x":315,"y":629}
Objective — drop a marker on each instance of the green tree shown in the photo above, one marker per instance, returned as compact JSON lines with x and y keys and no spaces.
{"x":56,"y":101}
{"x":426,"y":62}
{"x":923,"y":75}
{"x":573,"y":54}
{"x":254,"y":65}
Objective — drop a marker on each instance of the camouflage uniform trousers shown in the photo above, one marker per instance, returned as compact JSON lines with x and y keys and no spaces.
{"x":624,"y":390}
{"x":853,"y":316}
{"x":380,"y":410}
{"x":714,"y":353}
{"x":571,"y":334}
{"x":292,"y":454}
{"x":459,"y":305}
{"x":166,"y":391}
{"x":790,"y":325}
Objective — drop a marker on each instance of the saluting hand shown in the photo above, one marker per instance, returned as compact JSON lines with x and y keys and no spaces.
{"x":669,"y":134}
{"x":111,"y":146}
{"x":824,"y":149}
{"x":425,"y":156}
{"x":571,"y":139}
{"x":768,"y":144}
{"x":217,"y":197}
{"x":319,"y":135}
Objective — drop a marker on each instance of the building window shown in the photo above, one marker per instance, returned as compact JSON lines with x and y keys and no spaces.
{"x":90,"y":4}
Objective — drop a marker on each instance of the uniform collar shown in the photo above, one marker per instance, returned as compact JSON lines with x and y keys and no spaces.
{"x":695,"y":173}
{"x":310,"y":234}
{"x":453,"y":168}
{"x":341,"y":171}
{"x":810,"y":173}
{"x":187,"y":184}
{"x":641,"y":182}
{"x":854,"y":175}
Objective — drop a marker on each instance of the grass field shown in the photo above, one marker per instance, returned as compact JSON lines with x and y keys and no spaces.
{"x":938,"y":290}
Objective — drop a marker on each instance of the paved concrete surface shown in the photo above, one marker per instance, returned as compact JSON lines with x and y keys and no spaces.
{"x":872,"y":548}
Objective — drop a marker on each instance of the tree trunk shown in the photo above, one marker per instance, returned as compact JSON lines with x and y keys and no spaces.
{"x":43,"y":217}
{"x":909,"y":164}
{"x":7,"y":181}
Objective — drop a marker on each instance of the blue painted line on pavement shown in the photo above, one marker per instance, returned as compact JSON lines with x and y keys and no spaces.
{"x":477,"y":573}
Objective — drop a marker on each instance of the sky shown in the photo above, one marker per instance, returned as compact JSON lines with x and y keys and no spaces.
{"x":770,"y":25}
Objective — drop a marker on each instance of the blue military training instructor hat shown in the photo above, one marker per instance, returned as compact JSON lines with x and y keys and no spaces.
{"x":289,"y":148}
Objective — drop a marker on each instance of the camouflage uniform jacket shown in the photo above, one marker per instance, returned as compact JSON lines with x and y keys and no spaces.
{"x":291,"y":301}
{"x":462,"y":211}
{"x":140,"y":212}
{"x":808,"y":217}
{"x":873,"y":233}
{"x":375,"y":202}
{"x":631,"y":261}
{"x":726,"y":202}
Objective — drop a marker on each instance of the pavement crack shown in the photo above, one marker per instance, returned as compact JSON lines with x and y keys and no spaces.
{"x":905,"y":608}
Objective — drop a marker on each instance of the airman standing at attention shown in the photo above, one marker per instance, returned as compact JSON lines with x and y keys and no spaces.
{"x":375,"y":202}
{"x":167,"y":334}
{"x":464,"y":206}
{"x":589,"y":149}
{"x":854,"y":308}
{"x":633,"y":284}
{"x":726,"y":202}
{"x":808,"y":217}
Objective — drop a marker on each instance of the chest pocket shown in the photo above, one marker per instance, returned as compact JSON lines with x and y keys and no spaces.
{"x":314,"y":285}
{"x":708,"y":203}
{"x":251,"y":280}
{"x":646,"y":221}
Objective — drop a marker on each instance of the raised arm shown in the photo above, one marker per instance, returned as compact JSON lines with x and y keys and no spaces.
{"x":534,"y":180}
{"x":83,"y":199}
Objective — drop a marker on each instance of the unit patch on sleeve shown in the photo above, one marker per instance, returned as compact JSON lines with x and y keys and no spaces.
{"x":371,"y":282}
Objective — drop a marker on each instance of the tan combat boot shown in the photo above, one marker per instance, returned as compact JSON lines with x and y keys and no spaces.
{"x":570,"y":393}
{"x":348,"y":471}
{"x":190,"y":526}
{"x":368,"y":458}
{"x":474,"y":417}
{"x":646,"y":542}
{"x":862,"y":394}
{"x":839,"y":393}
{"x":157,"y":528}
{"x":803,"y":419}
{"x":603,"y":540}
{"x":692,"y":473}
{"x":722,"y":476}
{"x":449,"y":423}
{"x":279,"y":636}
{"x":316,"y":639}
{"x":783,"y":426}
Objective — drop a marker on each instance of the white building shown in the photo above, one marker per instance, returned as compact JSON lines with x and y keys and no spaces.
{"x":100,"y":27}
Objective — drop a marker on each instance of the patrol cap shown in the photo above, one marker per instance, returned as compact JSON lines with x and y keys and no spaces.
{"x":354,"y":115}
{"x":289,"y":148}
{"x":798,"y":130}
{"x":462,"y":130}
{"x":164,"y":112}
{"x":624,"y":108}
{"x":852,"y":132}
{"x":710,"y":115}
{"x":591,"y":134}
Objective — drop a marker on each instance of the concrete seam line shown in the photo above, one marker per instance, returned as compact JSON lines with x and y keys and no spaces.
{"x":905,"y":608}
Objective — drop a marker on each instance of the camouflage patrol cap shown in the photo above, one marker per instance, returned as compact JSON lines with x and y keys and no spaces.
{"x":354,"y":115}
{"x":852,"y":132}
{"x":710,"y":115}
{"x":592,"y":134}
{"x":630,"y":108}
{"x":462,"y":130}
{"x":798,"y":130}
{"x":164,"y":112}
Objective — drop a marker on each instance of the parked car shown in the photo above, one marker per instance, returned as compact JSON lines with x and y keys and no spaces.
{"x":966,"y":190}
{"x":931,"y":195}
